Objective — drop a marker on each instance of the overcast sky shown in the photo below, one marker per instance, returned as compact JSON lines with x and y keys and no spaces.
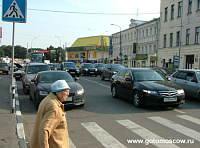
{"x":52,"y":21}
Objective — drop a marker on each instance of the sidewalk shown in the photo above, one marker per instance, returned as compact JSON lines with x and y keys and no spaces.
{"x":10,"y":136}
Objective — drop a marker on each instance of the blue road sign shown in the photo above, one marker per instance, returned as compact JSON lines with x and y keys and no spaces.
{"x":14,"y":10}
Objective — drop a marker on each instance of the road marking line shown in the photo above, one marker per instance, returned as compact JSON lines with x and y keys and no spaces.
{"x":144,"y":133}
{"x":189,"y":118}
{"x":177,"y":127}
{"x":20,"y":130}
{"x":96,"y":82}
{"x":71,"y":144}
{"x":102,"y":136}
{"x":179,"y":111}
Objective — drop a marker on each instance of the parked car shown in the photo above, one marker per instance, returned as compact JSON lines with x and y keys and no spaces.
{"x":109,"y":70}
{"x":99,"y":67}
{"x":4,"y":68}
{"x":56,"y":66}
{"x":51,"y":65}
{"x":189,"y":80}
{"x":40,"y":87}
{"x":71,"y":68}
{"x":165,"y":71}
{"x":31,"y":70}
{"x":88,"y":69}
{"x":144,"y":86}
{"x":19,"y":71}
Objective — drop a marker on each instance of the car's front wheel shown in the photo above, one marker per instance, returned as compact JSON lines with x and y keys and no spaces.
{"x":102,"y":77}
{"x":136,"y":99}
{"x":114,"y":92}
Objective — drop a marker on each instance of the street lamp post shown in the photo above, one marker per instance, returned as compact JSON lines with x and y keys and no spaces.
{"x":120,"y":43}
{"x":32,"y":42}
{"x":59,"y":39}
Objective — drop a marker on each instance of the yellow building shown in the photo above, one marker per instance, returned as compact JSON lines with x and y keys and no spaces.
{"x":93,"y":49}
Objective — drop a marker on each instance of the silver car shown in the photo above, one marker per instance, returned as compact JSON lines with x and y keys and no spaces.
{"x":30,"y":71}
{"x":189,"y":80}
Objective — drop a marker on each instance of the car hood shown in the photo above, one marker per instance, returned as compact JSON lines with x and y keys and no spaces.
{"x":160,"y":85}
{"x":74,"y":86}
{"x":30,"y":76}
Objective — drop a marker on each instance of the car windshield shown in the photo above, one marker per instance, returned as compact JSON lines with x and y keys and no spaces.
{"x":53,"y":76}
{"x":70,"y":65}
{"x":89,"y":66}
{"x":37,"y":68}
{"x":148,"y":76}
{"x":118,"y":67}
{"x":101,"y":65}
{"x":3,"y":64}
{"x":57,"y":65}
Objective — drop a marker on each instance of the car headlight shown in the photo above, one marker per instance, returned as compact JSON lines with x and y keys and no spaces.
{"x":77,"y":70}
{"x":114,"y":72}
{"x":80,"y":92}
{"x":43,"y":93}
{"x":95,"y":69}
{"x":86,"y":69}
{"x":150,"y":92}
{"x":180,"y":91}
{"x":67,"y":69}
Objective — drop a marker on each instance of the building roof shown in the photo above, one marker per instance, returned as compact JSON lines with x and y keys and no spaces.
{"x":92,"y":41}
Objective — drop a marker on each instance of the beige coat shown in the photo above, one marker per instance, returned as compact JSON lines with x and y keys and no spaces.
{"x":50,"y":130}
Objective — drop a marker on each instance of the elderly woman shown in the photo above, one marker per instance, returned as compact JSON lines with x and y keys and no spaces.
{"x":50,"y":130}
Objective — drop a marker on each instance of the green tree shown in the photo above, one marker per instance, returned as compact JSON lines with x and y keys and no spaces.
{"x":1,"y":52}
{"x":7,"y":50}
{"x":20,"y":52}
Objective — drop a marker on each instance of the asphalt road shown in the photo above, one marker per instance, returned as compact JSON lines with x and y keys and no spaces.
{"x":116,"y":123}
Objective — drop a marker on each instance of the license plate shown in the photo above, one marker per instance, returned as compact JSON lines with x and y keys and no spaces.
{"x":91,"y":72}
{"x":72,"y":72}
{"x":0,"y":71}
{"x":170,"y":99}
{"x":69,"y":99}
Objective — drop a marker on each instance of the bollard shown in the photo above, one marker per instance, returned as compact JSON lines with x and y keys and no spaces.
{"x":13,"y":100}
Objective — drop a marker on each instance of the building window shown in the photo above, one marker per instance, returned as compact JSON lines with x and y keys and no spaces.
{"x":198,"y":4}
{"x":166,"y":13}
{"x":146,"y":50}
{"x":131,"y":35}
{"x":76,"y":55}
{"x":171,"y":40}
{"x":154,"y":49}
{"x":179,"y":9}
{"x":190,"y":6}
{"x":187,"y":36}
{"x":146,"y":32}
{"x":150,"y":31}
{"x":150,"y":50}
{"x":197,"y":37}
{"x":172,"y":11}
{"x":178,"y":38}
{"x":165,"y":41}
{"x":155,"y":30}
{"x":143,"y":33}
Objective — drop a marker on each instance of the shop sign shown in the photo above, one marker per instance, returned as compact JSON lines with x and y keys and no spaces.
{"x":141,"y":56}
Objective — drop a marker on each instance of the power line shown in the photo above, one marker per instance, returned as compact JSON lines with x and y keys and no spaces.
{"x":88,"y":13}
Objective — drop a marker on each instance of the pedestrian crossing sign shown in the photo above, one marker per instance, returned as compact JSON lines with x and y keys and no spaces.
{"x":14,"y":10}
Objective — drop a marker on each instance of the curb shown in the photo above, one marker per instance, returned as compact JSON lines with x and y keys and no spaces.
{"x":19,"y":126}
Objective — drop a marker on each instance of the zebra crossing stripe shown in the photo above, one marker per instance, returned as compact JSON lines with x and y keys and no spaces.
{"x":102,"y":136}
{"x":177,"y":127}
{"x":189,"y":118}
{"x":71,"y":144}
{"x":144,"y":133}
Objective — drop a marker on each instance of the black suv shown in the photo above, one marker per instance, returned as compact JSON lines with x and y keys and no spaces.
{"x":31,"y":70}
{"x":71,"y":68}
{"x":88,"y":69}
{"x":110,"y":70}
